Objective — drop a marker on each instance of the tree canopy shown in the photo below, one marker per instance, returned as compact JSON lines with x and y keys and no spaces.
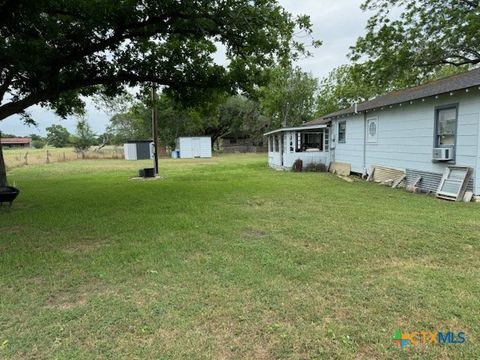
{"x":426,"y":35}
{"x":289,"y":96}
{"x":57,"y":136}
{"x":216,"y":116}
{"x":52,"y":52}
{"x":84,"y":136}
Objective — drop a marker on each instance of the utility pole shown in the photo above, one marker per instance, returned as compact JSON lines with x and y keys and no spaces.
{"x":154,"y":131}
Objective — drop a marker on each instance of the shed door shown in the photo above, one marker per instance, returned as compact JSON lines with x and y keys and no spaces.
{"x":196,"y":147}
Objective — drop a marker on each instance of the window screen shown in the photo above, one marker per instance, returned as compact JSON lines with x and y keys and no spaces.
{"x":342,"y":131}
{"x":446,"y":127}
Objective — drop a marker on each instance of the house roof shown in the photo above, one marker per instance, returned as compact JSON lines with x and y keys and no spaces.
{"x":319,"y":121}
{"x":441,"y":86}
{"x":11,"y":141}
{"x":301,"y":127}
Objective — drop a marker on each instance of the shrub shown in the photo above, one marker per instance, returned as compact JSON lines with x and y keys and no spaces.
{"x":38,"y":144}
{"x":320,"y":167}
{"x":297,"y":165}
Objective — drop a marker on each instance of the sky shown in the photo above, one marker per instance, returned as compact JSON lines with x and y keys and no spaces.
{"x":337,"y":23}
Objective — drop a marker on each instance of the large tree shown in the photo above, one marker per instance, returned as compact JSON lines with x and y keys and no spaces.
{"x":289,"y":97}
{"x":343,"y":87}
{"x":409,"y":40}
{"x":53,"y":52}
{"x":355,"y":83}
{"x":57,"y":136}
{"x":216,"y":116}
{"x":84,"y":137}
{"x":243,"y":118}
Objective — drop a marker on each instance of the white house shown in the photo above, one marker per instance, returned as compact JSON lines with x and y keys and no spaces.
{"x":420,"y":130}
{"x":194,"y":147}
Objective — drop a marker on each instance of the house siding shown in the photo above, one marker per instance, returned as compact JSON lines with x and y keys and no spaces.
{"x":352,"y":150}
{"x":405,"y":136}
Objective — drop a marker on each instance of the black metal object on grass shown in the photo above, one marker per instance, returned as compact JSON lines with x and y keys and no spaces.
{"x":147,"y":172}
{"x":8,"y":194}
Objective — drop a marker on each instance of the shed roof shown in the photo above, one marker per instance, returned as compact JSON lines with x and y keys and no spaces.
{"x":13,"y":141}
{"x":441,"y":86}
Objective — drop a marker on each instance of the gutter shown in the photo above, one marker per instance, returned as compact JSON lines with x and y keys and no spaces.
{"x":297,"y":128}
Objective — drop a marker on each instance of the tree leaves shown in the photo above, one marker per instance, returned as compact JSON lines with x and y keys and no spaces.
{"x":410,"y":40}
{"x":52,"y":52}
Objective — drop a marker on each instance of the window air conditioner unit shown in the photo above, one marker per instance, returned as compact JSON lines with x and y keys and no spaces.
{"x":442,"y":154}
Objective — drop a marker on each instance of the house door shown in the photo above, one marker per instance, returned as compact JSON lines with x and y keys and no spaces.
{"x":196,"y":147}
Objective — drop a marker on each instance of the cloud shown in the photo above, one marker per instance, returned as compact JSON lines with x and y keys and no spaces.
{"x":337,"y":23}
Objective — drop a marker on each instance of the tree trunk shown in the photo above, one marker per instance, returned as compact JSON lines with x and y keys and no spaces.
{"x":3,"y":168}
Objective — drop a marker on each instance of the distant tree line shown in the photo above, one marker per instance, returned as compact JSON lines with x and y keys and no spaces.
{"x":288,"y":99}
{"x":58,"y":136}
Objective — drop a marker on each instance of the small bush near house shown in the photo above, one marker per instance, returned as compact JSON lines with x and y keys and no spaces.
{"x":315,"y":168}
{"x":297,"y":166}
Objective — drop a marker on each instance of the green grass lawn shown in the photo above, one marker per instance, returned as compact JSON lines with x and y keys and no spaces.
{"x":225,"y":258}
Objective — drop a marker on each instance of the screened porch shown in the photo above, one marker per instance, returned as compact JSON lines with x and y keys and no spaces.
{"x":308,"y":143}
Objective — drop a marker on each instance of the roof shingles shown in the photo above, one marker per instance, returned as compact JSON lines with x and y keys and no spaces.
{"x":441,"y":86}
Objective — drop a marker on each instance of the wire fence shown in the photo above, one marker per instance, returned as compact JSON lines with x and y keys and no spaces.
{"x":23,"y":157}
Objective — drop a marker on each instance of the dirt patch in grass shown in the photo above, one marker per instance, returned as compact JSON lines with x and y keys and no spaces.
{"x":68,"y":299}
{"x":11,"y":230}
{"x":251,"y":233}
{"x":85,"y":244}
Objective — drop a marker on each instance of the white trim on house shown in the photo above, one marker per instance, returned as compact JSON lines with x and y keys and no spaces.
{"x":311,"y":127}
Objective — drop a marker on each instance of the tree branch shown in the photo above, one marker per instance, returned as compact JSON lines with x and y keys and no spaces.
{"x":6,"y":84}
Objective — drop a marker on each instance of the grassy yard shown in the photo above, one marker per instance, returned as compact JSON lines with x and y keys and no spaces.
{"x":225,"y":258}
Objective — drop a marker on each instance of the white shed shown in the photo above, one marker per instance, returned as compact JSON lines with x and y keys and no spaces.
{"x":138,"y":150}
{"x":194,"y":147}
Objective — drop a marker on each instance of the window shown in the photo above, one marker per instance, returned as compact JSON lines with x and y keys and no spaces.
{"x":310,"y":141}
{"x":446,"y":127}
{"x":276,"y":148}
{"x":270,"y":144}
{"x":342,"y":131}
{"x":326,"y":139}
{"x":372,"y":130}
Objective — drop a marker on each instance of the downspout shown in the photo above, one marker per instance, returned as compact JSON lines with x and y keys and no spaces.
{"x":332,"y":140}
{"x":365,"y":172}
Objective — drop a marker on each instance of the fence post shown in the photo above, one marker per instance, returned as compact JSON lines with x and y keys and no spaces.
{"x":26,"y":158}
{"x":48,"y":158}
{"x":64,"y":158}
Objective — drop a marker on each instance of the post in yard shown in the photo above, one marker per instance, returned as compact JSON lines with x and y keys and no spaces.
{"x":154,"y":130}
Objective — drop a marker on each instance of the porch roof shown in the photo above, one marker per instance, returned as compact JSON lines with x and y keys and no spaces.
{"x":297,"y":128}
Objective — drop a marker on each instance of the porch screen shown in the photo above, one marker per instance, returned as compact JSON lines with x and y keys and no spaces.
{"x":310,"y":141}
